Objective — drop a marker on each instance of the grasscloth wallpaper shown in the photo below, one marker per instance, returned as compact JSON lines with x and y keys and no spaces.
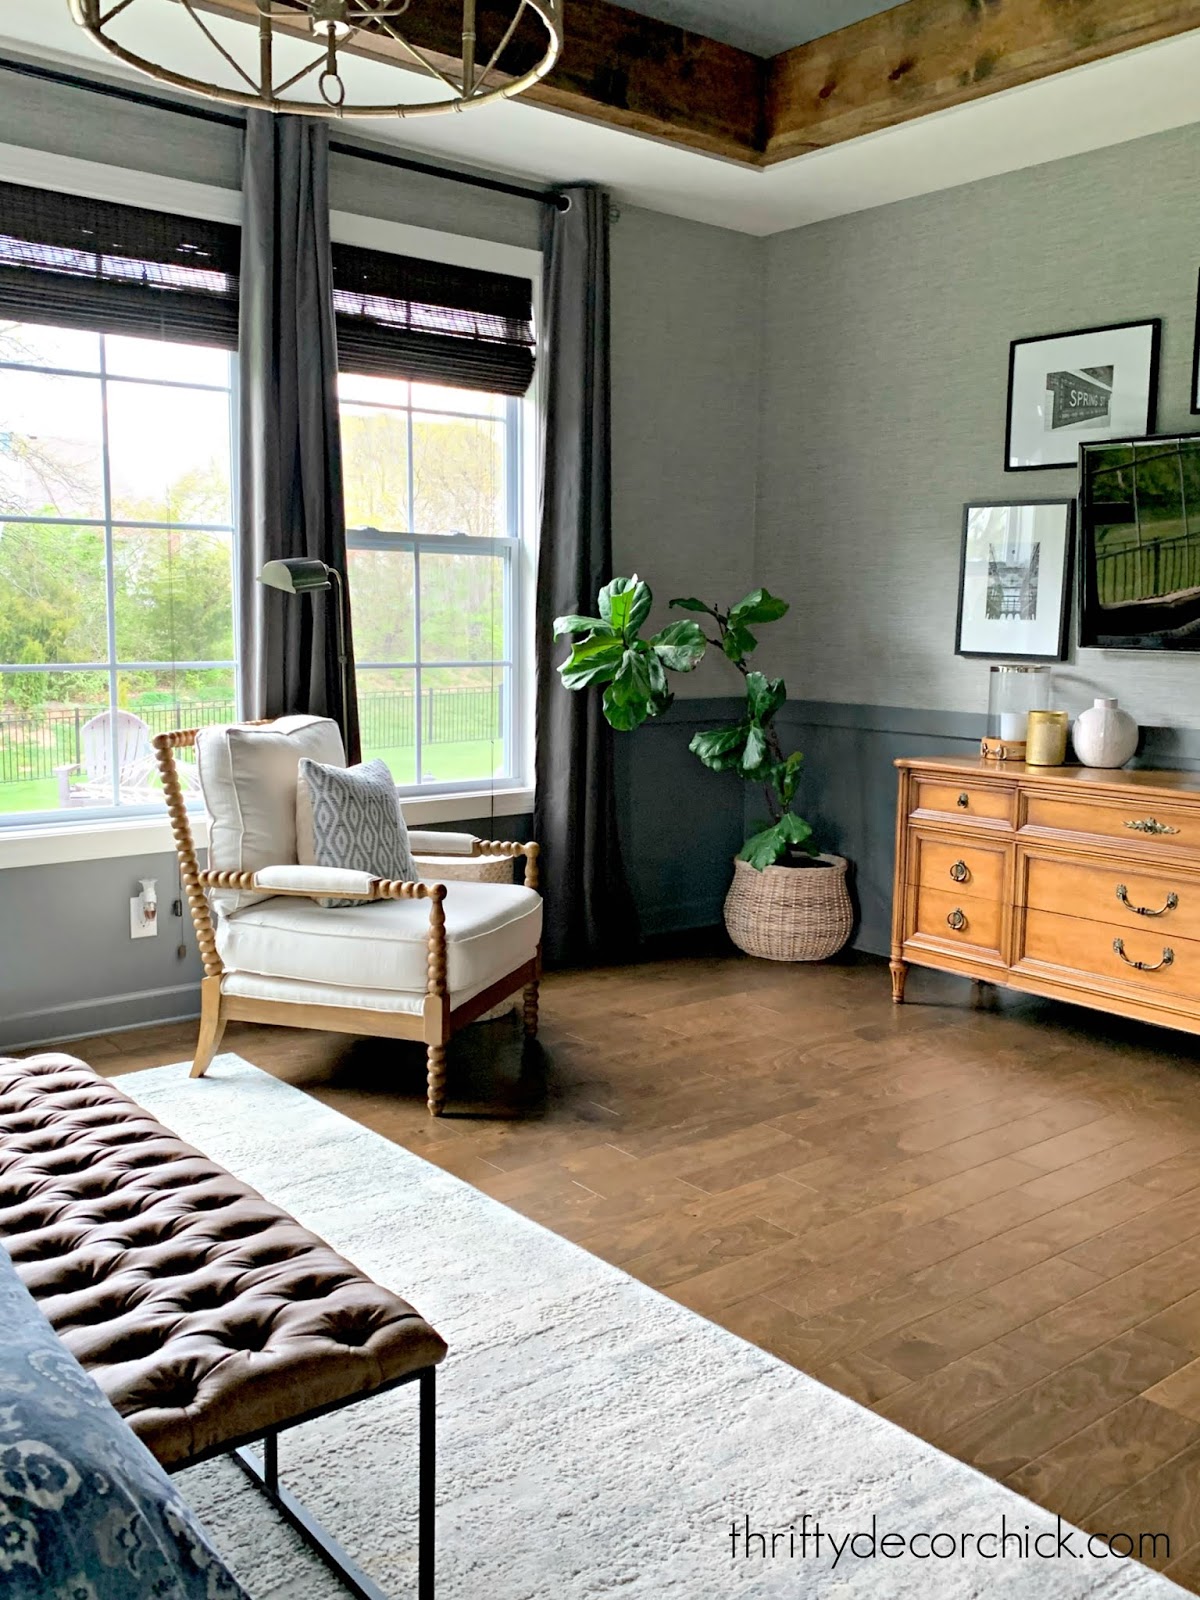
{"x":884,"y":385}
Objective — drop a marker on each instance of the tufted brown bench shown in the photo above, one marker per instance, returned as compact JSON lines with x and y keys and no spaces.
{"x":207,"y":1315}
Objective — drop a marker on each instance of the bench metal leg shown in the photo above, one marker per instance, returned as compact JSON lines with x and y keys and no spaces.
{"x":264,"y":1474}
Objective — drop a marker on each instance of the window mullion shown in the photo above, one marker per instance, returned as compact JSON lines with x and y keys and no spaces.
{"x":110,"y":582}
{"x":418,"y":680}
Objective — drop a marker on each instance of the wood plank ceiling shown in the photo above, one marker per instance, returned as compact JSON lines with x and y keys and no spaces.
{"x":634,"y":72}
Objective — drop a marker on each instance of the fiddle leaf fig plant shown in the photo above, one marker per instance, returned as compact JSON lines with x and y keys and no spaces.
{"x":608,"y":651}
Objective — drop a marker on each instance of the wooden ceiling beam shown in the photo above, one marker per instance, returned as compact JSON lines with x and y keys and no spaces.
{"x":617,"y":67}
{"x":928,"y":55}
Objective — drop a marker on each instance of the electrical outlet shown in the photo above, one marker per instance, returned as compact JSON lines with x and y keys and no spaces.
{"x":143,"y":912}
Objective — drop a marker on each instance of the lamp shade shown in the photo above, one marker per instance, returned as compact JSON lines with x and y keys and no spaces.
{"x":296,"y":576}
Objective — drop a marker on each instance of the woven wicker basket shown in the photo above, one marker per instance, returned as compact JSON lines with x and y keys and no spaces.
{"x":789,"y":913}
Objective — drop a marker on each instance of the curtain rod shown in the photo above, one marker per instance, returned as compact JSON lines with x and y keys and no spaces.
{"x":138,"y":97}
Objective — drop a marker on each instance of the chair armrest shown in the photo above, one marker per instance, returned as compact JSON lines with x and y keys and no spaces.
{"x":320,"y":883}
{"x":441,"y":844}
{"x":514,"y":847}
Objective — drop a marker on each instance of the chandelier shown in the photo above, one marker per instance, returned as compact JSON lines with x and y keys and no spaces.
{"x":411,"y":33}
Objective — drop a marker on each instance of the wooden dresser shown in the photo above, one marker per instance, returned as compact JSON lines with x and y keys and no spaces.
{"x":1065,"y":881}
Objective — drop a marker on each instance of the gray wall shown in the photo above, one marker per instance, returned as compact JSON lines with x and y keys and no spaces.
{"x":884,"y":393}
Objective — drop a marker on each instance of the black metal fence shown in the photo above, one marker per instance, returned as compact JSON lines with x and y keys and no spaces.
{"x":1153,"y":570}
{"x":32,"y":744}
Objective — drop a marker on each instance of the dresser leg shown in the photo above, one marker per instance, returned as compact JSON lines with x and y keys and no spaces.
{"x":899,"y":971}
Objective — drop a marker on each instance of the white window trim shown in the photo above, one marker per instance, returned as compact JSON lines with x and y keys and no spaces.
{"x":47,"y":843}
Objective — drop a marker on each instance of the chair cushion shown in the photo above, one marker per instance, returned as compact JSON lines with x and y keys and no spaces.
{"x":491,"y":929}
{"x":248,"y":779}
{"x":350,"y":817}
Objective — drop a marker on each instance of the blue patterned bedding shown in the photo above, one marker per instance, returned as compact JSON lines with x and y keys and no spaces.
{"x":86,"y":1513}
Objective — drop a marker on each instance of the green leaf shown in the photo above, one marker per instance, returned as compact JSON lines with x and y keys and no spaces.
{"x":787,"y":777}
{"x":624,"y":715}
{"x":632,"y":685}
{"x":625,"y":604}
{"x":656,"y":673}
{"x":760,"y":606}
{"x":770,"y":846}
{"x":592,"y":660}
{"x":765,"y":849}
{"x":574,"y":624}
{"x":738,"y":642}
{"x":764,"y":696}
{"x":721,"y":749}
{"x":680,"y":645}
{"x":755,"y":752}
{"x":692,"y":605}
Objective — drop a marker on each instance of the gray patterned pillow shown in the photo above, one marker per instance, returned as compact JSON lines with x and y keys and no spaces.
{"x":356,"y":822}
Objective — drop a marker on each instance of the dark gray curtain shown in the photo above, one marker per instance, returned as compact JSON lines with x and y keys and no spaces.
{"x":291,"y":459}
{"x":589,"y":909}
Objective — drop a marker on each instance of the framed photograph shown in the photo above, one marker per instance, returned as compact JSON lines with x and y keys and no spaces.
{"x":1014,"y":591}
{"x":1067,"y":389}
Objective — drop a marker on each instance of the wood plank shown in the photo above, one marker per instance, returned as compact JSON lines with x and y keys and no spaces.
{"x":928,"y":55}
{"x":617,"y":67}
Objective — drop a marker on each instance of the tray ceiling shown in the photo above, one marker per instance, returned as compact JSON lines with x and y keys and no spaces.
{"x":763,"y":26}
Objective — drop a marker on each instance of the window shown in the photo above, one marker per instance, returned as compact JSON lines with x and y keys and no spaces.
{"x":116,"y":560}
{"x":434,"y":486}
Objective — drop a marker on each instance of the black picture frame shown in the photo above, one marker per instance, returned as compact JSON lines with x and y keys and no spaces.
{"x":1195,"y":406}
{"x":1068,"y":504}
{"x":1121,"y":429}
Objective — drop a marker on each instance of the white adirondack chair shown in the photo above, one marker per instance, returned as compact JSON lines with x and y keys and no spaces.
{"x":135,"y":764}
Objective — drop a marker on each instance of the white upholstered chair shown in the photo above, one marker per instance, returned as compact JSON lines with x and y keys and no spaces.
{"x":413,"y":960}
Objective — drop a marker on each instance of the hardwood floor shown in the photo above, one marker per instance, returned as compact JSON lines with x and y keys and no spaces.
{"x":978,"y":1213}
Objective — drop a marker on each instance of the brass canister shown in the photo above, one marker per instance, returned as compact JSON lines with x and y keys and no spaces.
{"x":1046,"y":739}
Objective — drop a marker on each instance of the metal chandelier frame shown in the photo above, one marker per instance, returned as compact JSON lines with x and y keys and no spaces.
{"x":334,"y":26}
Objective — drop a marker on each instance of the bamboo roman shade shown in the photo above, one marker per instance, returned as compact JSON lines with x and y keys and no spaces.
{"x":398,"y":317}
{"x":75,"y":262}
{"x":80,"y":263}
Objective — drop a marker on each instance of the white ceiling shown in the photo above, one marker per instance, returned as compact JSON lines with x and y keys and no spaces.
{"x":1130,"y":95}
{"x":762,"y":26}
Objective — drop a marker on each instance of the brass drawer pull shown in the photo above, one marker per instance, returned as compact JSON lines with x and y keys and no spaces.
{"x":960,"y":872}
{"x":1146,"y":911}
{"x":1168,"y":956}
{"x":1150,"y":825}
{"x":964,"y":800}
{"x":957,"y":920}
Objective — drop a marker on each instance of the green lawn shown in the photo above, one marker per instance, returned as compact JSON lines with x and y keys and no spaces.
{"x":444,"y":763}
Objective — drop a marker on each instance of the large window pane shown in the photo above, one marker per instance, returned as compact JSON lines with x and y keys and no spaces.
{"x":169,"y":454}
{"x":471,"y":402}
{"x":175,"y":363}
{"x":173,"y":594}
{"x":381,"y":593}
{"x":462,"y":607}
{"x":387,"y":714}
{"x":374,"y":391}
{"x":52,"y":594}
{"x":462,"y":716}
{"x":50,"y":446}
{"x":375,"y":468}
{"x":458,"y":476}
{"x":52,"y":748}
{"x":38,"y":346}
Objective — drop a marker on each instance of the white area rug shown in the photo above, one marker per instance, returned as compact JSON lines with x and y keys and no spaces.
{"x":594,"y":1437}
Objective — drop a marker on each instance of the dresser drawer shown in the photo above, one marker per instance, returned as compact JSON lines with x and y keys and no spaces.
{"x":1133,"y":821}
{"x":966,"y":865}
{"x":1168,"y":964}
{"x":965,"y":800}
{"x":1117,"y":893}
{"x":959,"y":919}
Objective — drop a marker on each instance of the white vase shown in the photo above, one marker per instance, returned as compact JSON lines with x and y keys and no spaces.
{"x":1105,"y":736}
